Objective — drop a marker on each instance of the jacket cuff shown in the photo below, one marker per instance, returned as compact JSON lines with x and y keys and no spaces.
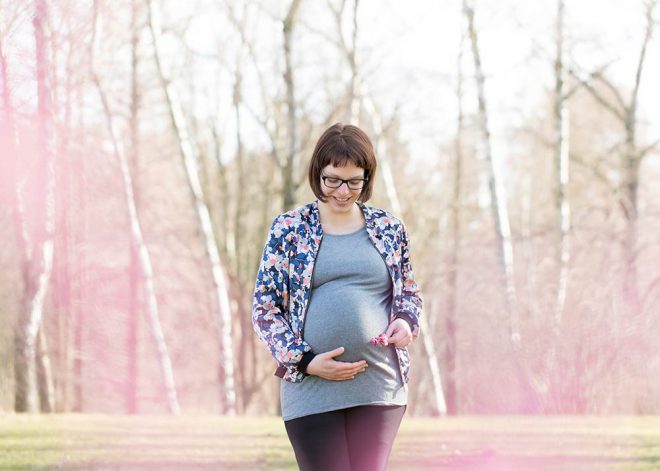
{"x":306,"y":359}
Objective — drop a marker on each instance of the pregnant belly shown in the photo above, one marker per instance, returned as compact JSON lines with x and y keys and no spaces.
{"x":346,"y":321}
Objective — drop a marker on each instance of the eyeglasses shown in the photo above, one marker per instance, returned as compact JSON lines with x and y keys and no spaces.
{"x":352,"y":184}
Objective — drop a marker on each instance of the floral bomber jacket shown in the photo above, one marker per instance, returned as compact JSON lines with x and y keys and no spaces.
{"x":284,"y":282}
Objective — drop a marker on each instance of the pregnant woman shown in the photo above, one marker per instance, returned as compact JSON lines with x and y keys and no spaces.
{"x":336,"y":303}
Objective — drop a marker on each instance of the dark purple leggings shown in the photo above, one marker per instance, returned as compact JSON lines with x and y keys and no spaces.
{"x":355,"y":439}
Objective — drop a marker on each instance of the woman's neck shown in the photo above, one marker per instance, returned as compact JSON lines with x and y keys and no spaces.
{"x":334,"y":222}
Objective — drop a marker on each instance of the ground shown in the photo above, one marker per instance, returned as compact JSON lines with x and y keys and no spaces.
{"x":204,"y":443}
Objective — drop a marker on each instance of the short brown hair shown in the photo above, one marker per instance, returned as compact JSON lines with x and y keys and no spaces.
{"x":340,"y":144}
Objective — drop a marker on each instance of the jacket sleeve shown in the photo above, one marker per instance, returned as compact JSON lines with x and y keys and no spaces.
{"x":270,"y":303}
{"x":409,"y":306}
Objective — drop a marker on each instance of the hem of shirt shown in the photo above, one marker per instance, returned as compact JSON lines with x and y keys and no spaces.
{"x":322,"y":411}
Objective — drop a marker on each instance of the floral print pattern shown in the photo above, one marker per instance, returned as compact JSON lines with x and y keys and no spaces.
{"x":284,"y":280}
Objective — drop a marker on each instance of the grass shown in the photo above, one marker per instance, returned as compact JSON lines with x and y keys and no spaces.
{"x":205,"y":443}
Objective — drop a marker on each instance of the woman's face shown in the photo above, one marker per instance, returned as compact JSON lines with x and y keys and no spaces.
{"x":341,"y":199}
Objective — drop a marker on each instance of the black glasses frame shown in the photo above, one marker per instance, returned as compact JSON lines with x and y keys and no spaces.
{"x":348,"y":184}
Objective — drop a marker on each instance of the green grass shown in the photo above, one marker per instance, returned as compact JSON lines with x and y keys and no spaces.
{"x":163,"y":443}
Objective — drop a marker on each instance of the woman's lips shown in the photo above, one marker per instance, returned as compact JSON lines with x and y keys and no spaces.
{"x":342,"y":202}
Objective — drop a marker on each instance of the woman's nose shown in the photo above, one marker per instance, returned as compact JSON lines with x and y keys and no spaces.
{"x":343,"y":189}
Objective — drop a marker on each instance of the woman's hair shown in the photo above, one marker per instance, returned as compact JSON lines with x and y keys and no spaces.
{"x":340,"y":144}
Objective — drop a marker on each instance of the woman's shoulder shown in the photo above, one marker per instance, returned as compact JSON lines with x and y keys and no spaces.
{"x":290,"y":220}
{"x":381,"y":217}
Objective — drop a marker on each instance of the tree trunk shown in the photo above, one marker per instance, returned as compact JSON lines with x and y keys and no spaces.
{"x":240,"y":176}
{"x":134,"y":280}
{"x":530,"y":386}
{"x":354,"y":102}
{"x":226,"y":367}
{"x":239,"y":230}
{"x":44,"y":375}
{"x":40,"y":261}
{"x":562,"y":173}
{"x":381,"y":150}
{"x":450,"y":353}
{"x":7,"y":128}
{"x":138,"y":238}
{"x":76,"y":359}
{"x":289,"y":185}
{"x":434,"y":369}
{"x":632,"y":161}
{"x":496,"y":186}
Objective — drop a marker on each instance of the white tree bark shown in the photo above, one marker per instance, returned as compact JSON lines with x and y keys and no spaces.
{"x":136,"y":234}
{"x":45,"y":374}
{"x":39,"y":262}
{"x":204,"y":217}
{"x":132,"y":340}
{"x":496,"y":186}
{"x":429,"y":348}
{"x":561,"y":166}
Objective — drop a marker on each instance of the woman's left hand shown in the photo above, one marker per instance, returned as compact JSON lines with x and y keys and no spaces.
{"x":399,"y":333}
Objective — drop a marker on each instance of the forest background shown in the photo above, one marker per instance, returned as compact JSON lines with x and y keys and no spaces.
{"x":147,"y":146}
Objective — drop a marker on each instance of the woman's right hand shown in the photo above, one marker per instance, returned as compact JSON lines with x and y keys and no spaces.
{"x":325,"y":366}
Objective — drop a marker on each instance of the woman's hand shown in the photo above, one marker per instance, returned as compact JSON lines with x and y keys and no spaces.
{"x":399,"y":333}
{"x":325,"y":366}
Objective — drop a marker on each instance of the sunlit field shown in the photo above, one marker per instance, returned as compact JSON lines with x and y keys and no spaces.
{"x":496,"y":443}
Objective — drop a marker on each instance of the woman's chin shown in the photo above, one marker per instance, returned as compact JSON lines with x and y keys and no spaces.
{"x":341,"y":206}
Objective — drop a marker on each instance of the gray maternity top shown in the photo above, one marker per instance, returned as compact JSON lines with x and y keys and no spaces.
{"x":349,"y":304}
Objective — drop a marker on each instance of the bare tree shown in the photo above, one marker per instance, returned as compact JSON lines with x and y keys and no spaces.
{"x":451,"y":324}
{"x":240,"y":209}
{"x":496,"y":187}
{"x":625,"y":111}
{"x":561,"y":166}
{"x":39,"y":261}
{"x":186,"y":148}
{"x":359,"y":97}
{"x":288,"y":181}
{"x":136,"y":232}
{"x":134,"y":152}
{"x":7,"y":128}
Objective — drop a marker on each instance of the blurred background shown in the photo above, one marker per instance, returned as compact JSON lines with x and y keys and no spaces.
{"x":147,"y":146}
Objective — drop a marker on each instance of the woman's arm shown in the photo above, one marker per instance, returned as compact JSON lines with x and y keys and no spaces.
{"x":270,"y":302}
{"x":409,"y":306}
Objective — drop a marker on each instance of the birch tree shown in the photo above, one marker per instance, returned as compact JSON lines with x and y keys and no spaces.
{"x":496,"y":187}
{"x":39,"y":261}
{"x":288,"y":181}
{"x":632,"y":153}
{"x":136,"y":230}
{"x":359,"y":97}
{"x":186,"y":149}
{"x":7,"y":124}
{"x":562,"y":173}
{"x":135,"y":281}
